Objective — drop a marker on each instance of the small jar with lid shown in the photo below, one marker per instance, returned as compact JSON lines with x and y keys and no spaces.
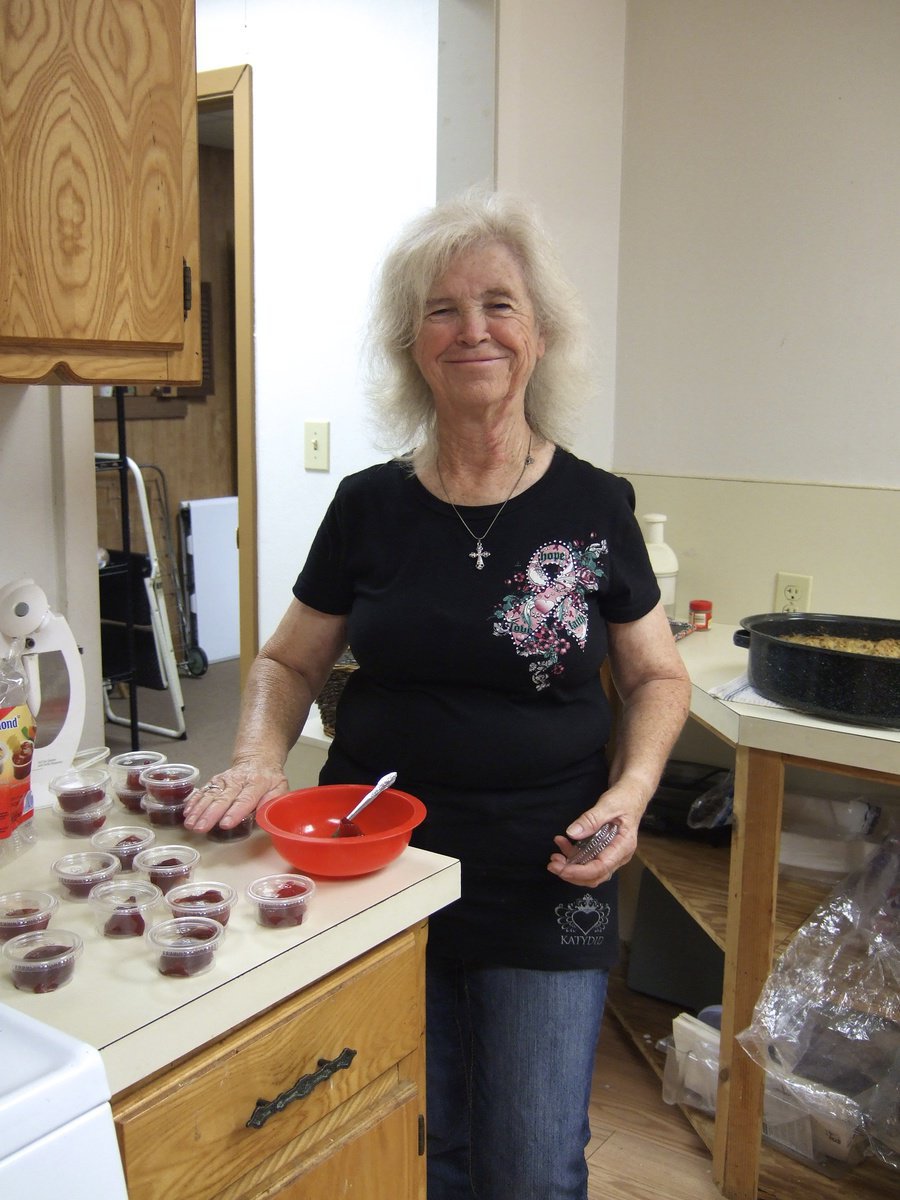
{"x":700,"y":612}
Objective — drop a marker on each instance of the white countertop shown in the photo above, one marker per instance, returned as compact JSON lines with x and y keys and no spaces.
{"x":141,"y":1021}
{"x":712,"y":659}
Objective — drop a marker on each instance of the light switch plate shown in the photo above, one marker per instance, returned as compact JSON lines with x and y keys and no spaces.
{"x":316,"y":453}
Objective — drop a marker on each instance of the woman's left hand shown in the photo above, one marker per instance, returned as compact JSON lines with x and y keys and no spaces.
{"x":623,"y":804}
{"x":655,"y":694}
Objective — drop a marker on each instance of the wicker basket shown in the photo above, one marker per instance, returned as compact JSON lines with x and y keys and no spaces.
{"x":327,"y":699}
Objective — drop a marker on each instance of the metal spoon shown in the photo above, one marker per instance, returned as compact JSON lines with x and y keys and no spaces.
{"x":590,"y":847}
{"x":347,"y":827}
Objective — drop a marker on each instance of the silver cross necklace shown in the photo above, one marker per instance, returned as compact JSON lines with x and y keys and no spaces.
{"x":479,"y":553}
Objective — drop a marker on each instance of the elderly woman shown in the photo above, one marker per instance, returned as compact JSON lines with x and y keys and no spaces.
{"x":482,"y":580}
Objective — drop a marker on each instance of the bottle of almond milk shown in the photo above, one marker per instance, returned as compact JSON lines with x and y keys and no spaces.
{"x":17,"y":733}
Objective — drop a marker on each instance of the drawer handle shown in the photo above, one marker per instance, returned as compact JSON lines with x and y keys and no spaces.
{"x":304,"y":1085}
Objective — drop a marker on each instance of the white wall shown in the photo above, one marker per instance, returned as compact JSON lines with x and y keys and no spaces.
{"x":741,"y":288}
{"x":733,"y":536}
{"x":559,"y":140}
{"x":348,"y":142}
{"x":466,"y":98}
{"x":344,"y":148}
{"x":760,"y":241}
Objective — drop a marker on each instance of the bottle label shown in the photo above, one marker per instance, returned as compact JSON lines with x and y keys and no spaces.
{"x":17,"y":731}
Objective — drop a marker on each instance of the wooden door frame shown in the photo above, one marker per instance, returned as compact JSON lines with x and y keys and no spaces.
{"x":232,"y":85}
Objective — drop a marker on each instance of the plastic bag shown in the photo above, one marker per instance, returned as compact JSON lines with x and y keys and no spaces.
{"x":827,"y":1023}
{"x":715,"y":806}
{"x":841,"y":818}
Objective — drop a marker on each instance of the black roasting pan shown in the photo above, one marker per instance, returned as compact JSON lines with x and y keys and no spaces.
{"x":862,"y":689}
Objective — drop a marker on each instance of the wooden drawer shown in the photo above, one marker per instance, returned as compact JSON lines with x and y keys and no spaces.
{"x":327,"y":1176}
{"x":373,"y":1156}
{"x":185,"y":1134}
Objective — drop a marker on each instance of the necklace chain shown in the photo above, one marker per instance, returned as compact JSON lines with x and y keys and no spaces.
{"x":479,"y":553}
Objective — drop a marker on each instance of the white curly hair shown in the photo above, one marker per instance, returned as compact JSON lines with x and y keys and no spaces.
{"x":403,"y":409}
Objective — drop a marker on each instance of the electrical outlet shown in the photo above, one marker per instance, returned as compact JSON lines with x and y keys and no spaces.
{"x":316,"y":446}
{"x":793,"y":593}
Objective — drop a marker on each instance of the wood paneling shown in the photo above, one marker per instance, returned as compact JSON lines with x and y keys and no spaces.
{"x":198,"y":454}
{"x":98,"y":192}
{"x":641,"y":1148}
{"x":91,"y":132}
{"x":194,"y":451}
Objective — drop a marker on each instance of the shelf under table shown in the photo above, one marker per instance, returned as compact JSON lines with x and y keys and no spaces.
{"x":647,"y":1021}
{"x":696,"y":874}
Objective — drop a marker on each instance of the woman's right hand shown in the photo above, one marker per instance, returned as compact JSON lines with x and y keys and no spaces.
{"x":230,"y":796}
{"x":284,"y":680}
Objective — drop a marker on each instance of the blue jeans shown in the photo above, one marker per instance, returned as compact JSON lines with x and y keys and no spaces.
{"x":510,"y":1056}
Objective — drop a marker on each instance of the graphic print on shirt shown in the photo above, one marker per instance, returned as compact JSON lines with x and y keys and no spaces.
{"x":548,"y":612}
{"x":583,"y":921}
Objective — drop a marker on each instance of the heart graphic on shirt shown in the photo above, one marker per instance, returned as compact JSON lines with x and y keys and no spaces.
{"x":586,"y":919}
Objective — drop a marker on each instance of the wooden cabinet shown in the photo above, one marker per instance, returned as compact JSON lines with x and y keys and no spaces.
{"x":99,"y":193}
{"x":354,"y":1040}
{"x":736,"y":896}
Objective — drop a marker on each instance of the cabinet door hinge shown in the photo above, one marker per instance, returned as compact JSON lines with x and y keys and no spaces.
{"x":186,"y":286}
{"x":421,"y":1134}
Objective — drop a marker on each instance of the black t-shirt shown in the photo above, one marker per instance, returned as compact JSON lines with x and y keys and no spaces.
{"x":481,"y":688}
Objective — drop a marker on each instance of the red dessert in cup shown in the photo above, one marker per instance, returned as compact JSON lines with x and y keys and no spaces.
{"x":281,"y":900}
{"x":43,"y":961}
{"x":185,"y":946}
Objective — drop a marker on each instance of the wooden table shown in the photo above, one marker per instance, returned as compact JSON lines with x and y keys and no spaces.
{"x":737,"y":898}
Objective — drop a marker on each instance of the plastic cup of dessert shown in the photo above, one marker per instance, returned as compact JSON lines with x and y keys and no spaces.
{"x":162,"y":813}
{"x":25,"y":912}
{"x":86,"y":821}
{"x":243,"y":829}
{"x":124,"y":908}
{"x":78,"y":873}
{"x":167,"y":866}
{"x":42,"y":961}
{"x":125,"y":770}
{"x":76,"y":790}
{"x":281,"y":901}
{"x":124,"y":841}
{"x":185,"y":946}
{"x":202,"y":899}
{"x":170,"y":783}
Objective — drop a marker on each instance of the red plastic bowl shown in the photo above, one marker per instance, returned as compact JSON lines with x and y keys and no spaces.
{"x":301,"y":823}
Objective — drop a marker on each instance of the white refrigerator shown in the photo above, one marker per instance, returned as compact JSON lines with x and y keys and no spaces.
{"x":209,"y":540}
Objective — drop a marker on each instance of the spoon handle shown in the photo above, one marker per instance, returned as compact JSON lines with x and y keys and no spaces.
{"x":384,"y":782}
{"x":591,"y":847}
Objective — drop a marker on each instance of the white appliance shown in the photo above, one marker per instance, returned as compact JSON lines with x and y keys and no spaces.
{"x":26,"y":618}
{"x":209,"y":528}
{"x":57,"y":1136}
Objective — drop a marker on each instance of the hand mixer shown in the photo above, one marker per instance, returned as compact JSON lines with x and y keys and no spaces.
{"x":25,"y":616}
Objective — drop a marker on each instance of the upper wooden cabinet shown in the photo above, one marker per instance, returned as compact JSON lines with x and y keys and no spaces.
{"x":98,"y":192}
